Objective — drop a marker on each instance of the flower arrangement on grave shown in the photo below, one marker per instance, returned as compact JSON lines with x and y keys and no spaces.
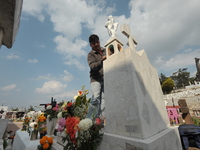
{"x":80,"y":132}
{"x":26,"y":123}
{"x":52,"y":109}
{"x":42,"y":126}
{"x":45,"y":143}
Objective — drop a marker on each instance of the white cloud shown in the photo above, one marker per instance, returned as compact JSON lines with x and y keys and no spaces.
{"x":34,"y":8}
{"x":162,"y":31}
{"x":182,"y":60}
{"x":18,"y":90}
{"x":9,"y":87}
{"x":51,"y":87}
{"x":67,"y":76}
{"x":68,"y":18}
{"x":45,"y":77}
{"x":72,"y":61}
{"x":13,"y":56}
{"x":33,"y":61}
{"x":66,"y":95}
{"x":66,"y":47}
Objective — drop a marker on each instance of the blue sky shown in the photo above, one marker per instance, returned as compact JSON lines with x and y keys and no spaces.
{"x":49,"y":56}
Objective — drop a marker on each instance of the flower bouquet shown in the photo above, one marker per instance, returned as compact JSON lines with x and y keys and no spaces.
{"x":45,"y":143}
{"x":26,"y":123}
{"x":42,"y":127}
{"x":80,"y":132}
{"x":51,"y":109}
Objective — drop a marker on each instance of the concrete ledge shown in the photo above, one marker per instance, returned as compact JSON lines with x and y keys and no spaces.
{"x":165,"y":140}
{"x":9,"y":20}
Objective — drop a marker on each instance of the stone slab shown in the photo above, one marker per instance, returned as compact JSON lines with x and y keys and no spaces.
{"x":3,"y":125}
{"x":167,"y":139}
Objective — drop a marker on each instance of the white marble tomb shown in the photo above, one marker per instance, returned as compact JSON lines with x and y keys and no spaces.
{"x":136,"y":116}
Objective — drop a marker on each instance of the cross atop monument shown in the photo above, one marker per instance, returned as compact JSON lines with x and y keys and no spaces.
{"x":125,"y":29}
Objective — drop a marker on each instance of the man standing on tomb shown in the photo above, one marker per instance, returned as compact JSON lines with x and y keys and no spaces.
{"x":95,"y":60}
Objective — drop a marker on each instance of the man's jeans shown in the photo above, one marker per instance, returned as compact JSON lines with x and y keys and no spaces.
{"x":98,"y":99}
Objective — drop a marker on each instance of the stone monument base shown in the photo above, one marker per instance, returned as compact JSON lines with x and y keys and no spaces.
{"x":167,"y":139}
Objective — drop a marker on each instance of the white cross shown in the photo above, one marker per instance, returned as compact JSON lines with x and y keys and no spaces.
{"x":127,"y":32}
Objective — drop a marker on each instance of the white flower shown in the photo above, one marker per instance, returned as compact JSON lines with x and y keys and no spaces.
{"x":32,"y":124}
{"x":64,"y":133}
{"x":75,"y":97}
{"x":29,"y":115}
{"x":49,"y":107}
{"x":59,"y":115}
{"x":85,"y":124}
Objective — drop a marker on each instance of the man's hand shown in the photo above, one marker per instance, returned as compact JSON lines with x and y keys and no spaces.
{"x":103,"y":58}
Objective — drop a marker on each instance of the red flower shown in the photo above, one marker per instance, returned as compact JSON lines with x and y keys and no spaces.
{"x":71,"y":126}
{"x":69,"y":104}
{"x":98,"y":121}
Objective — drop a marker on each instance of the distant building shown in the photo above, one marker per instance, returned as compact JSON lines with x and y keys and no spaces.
{"x":3,"y":108}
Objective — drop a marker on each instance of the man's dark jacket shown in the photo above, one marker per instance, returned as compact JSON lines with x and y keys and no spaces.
{"x":96,"y":65}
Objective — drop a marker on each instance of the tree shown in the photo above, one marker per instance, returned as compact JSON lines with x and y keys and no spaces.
{"x":31,"y":108}
{"x":15,"y":109}
{"x":181,"y":77}
{"x":162,"y":78}
{"x":167,"y":85}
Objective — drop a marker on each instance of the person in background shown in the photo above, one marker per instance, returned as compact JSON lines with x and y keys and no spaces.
{"x":95,"y":60}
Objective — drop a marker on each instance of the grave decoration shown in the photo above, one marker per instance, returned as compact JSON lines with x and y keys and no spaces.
{"x":45,"y":143}
{"x":51,"y":112}
{"x":42,"y":126}
{"x":78,"y":131}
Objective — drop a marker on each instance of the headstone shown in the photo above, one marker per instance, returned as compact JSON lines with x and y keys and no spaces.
{"x":3,"y":125}
{"x":185,"y":111}
{"x":136,"y":116}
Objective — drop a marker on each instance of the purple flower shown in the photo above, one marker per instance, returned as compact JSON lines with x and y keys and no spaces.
{"x":62,"y":122}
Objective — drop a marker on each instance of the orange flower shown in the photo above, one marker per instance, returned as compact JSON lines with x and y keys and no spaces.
{"x":80,"y":93}
{"x":45,"y":137}
{"x":42,"y":141}
{"x":45,"y":146}
{"x":71,"y":126}
{"x":50,"y":140}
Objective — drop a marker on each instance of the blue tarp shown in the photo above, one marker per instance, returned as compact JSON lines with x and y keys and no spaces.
{"x":187,"y":131}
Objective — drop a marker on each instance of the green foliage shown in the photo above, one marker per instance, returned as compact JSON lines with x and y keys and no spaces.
{"x":196,"y":121}
{"x":167,"y":85}
{"x":86,"y":140}
{"x":162,"y":78}
{"x":15,"y":109}
{"x":5,"y":143}
{"x":181,"y":77}
{"x":31,"y":109}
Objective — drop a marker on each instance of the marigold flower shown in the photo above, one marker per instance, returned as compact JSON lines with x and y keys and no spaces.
{"x":45,"y":137}
{"x":45,"y":146}
{"x":50,"y":140}
{"x":42,"y":141}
